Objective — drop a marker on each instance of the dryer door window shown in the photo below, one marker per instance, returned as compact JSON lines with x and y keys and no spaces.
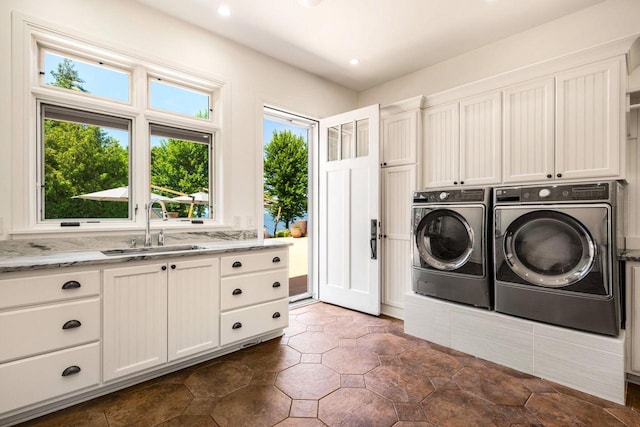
{"x":549,"y":248}
{"x":444,"y":240}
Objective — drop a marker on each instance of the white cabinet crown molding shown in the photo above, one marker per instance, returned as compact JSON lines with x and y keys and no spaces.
{"x":409,"y":104}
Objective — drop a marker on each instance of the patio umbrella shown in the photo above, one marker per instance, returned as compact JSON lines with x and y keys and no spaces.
{"x":200,"y":198}
{"x":118,"y":194}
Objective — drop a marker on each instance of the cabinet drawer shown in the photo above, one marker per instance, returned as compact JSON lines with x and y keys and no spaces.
{"x":239,"y":324}
{"x":45,"y":328}
{"x":248,"y":289}
{"x":255,"y":261}
{"x":46,"y":288}
{"x":38,"y":378}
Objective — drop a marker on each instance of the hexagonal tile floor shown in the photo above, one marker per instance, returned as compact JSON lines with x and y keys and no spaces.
{"x":338,"y":367}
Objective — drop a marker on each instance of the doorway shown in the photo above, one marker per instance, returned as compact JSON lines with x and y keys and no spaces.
{"x":288,"y":140}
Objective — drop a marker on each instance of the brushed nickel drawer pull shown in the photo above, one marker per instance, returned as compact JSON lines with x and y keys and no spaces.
{"x":276,"y":285}
{"x":237,"y":325}
{"x":236,"y":291}
{"x":71,"y":370}
{"x":275,"y":315}
{"x":71,"y":284}
{"x":237,"y":264}
{"x":70,"y":324}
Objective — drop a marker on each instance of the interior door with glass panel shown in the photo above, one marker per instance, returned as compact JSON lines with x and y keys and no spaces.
{"x":349,"y":210}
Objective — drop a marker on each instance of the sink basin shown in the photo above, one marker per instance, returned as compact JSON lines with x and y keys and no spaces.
{"x":152,"y":250}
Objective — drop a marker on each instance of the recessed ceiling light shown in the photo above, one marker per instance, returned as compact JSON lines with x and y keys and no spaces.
{"x":354,"y":61}
{"x":224,"y":10}
{"x":309,"y":3}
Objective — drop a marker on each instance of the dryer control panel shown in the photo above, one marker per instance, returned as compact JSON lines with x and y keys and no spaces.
{"x":553,"y":193}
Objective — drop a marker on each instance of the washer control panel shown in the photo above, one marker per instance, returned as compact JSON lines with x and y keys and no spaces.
{"x":450,"y":196}
{"x":553,"y":193}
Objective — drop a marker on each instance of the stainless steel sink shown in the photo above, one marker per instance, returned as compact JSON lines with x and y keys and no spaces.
{"x":153,"y":250}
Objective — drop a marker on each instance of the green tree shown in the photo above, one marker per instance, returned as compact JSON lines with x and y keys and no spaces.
{"x":78,"y":159}
{"x":182,"y":166}
{"x":286,"y":176}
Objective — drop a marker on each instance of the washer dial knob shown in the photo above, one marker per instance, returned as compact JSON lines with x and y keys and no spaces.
{"x":544,"y":193}
{"x":444,"y":195}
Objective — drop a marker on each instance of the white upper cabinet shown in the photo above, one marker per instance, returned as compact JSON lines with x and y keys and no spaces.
{"x":480,"y":140}
{"x":463,"y":142}
{"x":588,"y":120}
{"x":399,"y":135}
{"x":441,"y":167}
{"x":529,"y":132}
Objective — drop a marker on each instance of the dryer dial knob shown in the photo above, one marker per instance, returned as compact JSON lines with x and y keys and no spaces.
{"x":443,"y":195}
{"x":544,"y":193}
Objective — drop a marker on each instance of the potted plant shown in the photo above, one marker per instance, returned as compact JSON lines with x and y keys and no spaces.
{"x":296,"y":231}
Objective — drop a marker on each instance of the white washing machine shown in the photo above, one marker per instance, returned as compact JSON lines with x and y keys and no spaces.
{"x":555,"y":255}
{"x":451,"y":246}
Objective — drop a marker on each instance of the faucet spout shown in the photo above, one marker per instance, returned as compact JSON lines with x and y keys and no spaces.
{"x":147,"y":231}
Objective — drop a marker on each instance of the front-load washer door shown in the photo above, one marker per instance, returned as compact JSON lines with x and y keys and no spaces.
{"x":555,"y":249}
{"x":450,"y":240}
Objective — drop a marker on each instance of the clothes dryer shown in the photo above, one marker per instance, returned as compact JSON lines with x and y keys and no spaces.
{"x":555,"y":255}
{"x":451,"y":246}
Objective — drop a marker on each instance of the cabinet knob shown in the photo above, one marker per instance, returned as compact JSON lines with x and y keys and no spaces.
{"x":384,"y":235}
{"x":276,"y":259}
{"x":275,"y":315}
{"x":71,"y":324}
{"x":173,"y":266}
{"x":275,"y":285}
{"x":549,"y":175}
{"x":236,"y":291}
{"x":384,"y":163}
{"x":559,"y":175}
{"x":455,"y":182}
{"x":461,"y":182}
{"x":164,"y":268}
{"x":71,"y":284}
{"x":236,"y":264}
{"x":71,"y":370}
{"x":237,"y":325}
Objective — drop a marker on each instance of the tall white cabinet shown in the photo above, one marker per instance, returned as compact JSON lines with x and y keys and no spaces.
{"x":400,"y":147}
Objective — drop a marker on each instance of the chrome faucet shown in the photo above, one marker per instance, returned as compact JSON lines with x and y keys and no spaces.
{"x":147,"y":231}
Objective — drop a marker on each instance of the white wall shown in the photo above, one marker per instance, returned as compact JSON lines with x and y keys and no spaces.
{"x":602,"y":23}
{"x":131,"y":27}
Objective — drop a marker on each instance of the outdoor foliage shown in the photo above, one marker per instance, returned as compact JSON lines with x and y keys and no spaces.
{"x":182,"y":165}
{"x":286,"y":176}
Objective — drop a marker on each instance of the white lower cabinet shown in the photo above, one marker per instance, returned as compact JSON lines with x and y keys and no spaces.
{"x":49,"y":335}
{"x":633,"y":317}
{"x":255,"y":294}
{"x":156,"y":313}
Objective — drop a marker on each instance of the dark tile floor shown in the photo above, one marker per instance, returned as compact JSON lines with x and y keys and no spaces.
{"x":339,"y":367}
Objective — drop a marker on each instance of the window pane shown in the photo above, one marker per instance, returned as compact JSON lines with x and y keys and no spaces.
{"x":332,"y":139}
{"x":179,"y":100}
{"x":81,"y":76}
{"x":347,"y":141}
{"x":181,"y":170}
{"x":362,"y":138}
{"x":85,"y":165}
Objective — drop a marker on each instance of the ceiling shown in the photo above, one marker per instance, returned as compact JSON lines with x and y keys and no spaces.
{"x":391,"y":38}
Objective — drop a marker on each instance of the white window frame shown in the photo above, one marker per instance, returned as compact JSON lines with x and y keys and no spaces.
{"x":30,"y":39}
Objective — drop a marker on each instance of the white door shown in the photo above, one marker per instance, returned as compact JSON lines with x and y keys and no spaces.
{"x":349,"y":210}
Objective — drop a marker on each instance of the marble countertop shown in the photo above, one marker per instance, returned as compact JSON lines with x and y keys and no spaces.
{"x":630,"y":255}
{"x":41,"y":255}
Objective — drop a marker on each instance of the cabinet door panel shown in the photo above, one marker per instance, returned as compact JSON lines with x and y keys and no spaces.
{"x":193,"y":306}
{"x":399,"y":133}
{"x":135,"y":319}
{"x":529,"y":132}
{"x":480,"y":140}
{"x":442,"y":146}
{"x":633,"y":317}
{"x":589,"y":120}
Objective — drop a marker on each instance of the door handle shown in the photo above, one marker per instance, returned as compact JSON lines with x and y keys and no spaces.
{"x":373,"y":241}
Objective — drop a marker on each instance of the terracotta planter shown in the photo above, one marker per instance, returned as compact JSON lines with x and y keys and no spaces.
{"x":296,"y":232}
